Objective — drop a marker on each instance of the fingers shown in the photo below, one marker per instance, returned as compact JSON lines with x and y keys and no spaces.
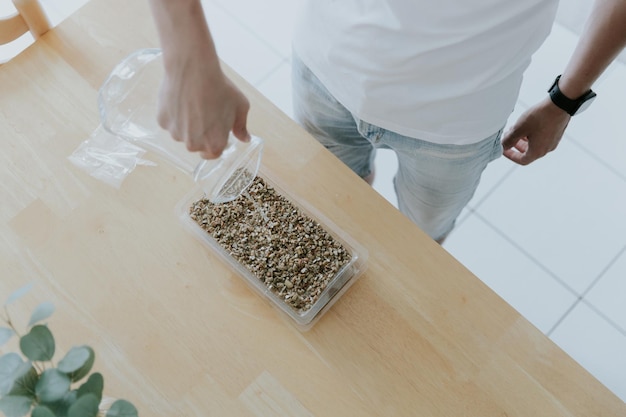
{"x":239,"y":126}
{"x":515,"y":146}
{"x":517,"y":156}
{"x":210,"y":145}
{"x":209,"y":154}
{"x":522,"y":152}
{"x":510,"y":138}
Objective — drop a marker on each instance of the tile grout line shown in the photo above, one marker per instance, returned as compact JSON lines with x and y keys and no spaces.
{"x":579,"y":297}
{"x":604,"y":316}
{"x":271,"y":72}
{"x":603,"y":272}
{"x":591,"y":305}
{"x":495,"y":186}
{"x":581,"y":300}
{"x":596,"y":158}
{"x":250,"y":30}
{"x":562,"y":318}
{"x":528,"y":255}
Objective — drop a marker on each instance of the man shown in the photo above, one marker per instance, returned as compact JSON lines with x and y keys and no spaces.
{"x":435,"y":84}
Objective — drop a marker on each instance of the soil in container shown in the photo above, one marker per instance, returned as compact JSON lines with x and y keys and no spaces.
{"x":287,"y":250}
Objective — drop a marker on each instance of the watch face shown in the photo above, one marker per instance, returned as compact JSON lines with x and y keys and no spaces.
{"x":585,"y":105}
{"x":570,"y":106}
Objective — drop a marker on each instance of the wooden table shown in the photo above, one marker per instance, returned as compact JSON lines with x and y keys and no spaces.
{"x":179,"y":334}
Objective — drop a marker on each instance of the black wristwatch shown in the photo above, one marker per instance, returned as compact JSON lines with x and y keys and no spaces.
{"x":570,"y":106}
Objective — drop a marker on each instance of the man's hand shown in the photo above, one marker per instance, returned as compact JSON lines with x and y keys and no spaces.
{"x":537,"y":132}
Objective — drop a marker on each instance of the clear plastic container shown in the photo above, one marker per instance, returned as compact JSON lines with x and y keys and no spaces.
{"x":335,"y":288}
{"x":127,"y":102}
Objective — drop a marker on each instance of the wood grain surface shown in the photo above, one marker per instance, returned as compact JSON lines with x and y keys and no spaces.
{"x":179,"y":334}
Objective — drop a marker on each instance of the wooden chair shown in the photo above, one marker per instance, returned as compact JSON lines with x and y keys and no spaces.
{"x":30,"y":17}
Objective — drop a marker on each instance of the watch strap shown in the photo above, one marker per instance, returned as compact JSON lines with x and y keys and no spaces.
{"x":565,"y":103}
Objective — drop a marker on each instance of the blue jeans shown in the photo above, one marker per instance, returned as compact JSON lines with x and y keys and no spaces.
{"x":434,"y":182}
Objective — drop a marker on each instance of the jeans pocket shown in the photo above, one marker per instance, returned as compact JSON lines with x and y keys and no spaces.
{"x":497,"y":147}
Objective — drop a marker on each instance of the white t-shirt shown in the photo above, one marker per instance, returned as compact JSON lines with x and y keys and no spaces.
{"x":447,"y":71}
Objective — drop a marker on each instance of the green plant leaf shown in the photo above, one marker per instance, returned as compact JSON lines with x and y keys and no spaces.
{"x":41,"y":312}
{"x":52,"y":386}
{"x":93,"y":385}
{"x":9,"y":363}
{"x":19,"y":293}
{"x":122,"y":408}
{"x":74,"y":359}
{"x":42,"y":411}
{"x":15,"y":405}
{"x":81,"y":372}
{"x":60,"y":407}
{"x":12,"y":367}
{"x":85,"y":406}
{"x":24,"y":384}
{"x":5,"y":335}
{"x":38,"y":344}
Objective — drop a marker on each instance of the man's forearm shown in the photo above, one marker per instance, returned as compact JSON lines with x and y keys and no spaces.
{"x":603,"y":38}
{"x":182,"y":30}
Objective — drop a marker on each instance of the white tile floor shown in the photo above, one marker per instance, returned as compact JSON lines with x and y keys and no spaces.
{"x":550,"y":238}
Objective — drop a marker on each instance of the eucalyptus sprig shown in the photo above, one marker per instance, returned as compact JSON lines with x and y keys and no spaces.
{"x":31,"y":383}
